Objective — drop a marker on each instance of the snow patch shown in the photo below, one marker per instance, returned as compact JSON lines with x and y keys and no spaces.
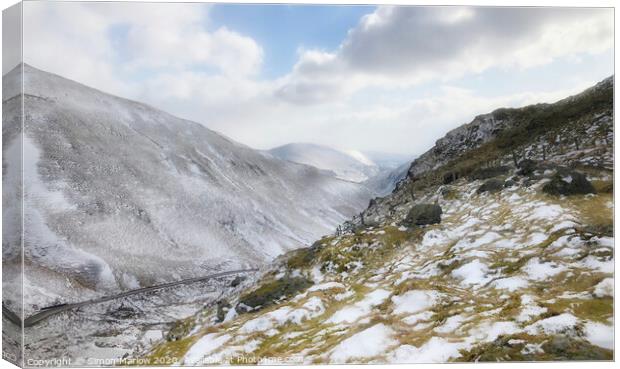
{"x":604,"y":288}
{"x":600,"y":334}
{"x":511,"y":283}
{"x":205,"y":346}
{"x":350,"y":314}
{"x":435,"y":350}
{"x":472,"y":273}
{"x":563,"y":323}
{"x":540,"y":271}
{"x":414,"y":301}
{"x":370,"y":342}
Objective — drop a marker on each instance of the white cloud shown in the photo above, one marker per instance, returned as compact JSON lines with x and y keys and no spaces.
{"x":173,"y":36}
{"x":402,"y":46}
{"x":364,"y":95}
{"x":77,"y":40}
{"x":71,"y":40}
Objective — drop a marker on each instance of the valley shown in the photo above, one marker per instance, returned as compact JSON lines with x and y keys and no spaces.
{"x":495,"y":244}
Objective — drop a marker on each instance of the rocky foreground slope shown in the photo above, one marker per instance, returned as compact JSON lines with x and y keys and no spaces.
{"x":497,"y":246}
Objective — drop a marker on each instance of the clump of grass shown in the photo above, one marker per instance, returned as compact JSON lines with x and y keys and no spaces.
{"x":168,"y":351}
{"x":602,"y":186}
{"x":600,"y":309}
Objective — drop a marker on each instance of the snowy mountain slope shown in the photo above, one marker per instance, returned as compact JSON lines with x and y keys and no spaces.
{"x":119,"y":194}
{"x":512,"y":272}
{"x":351,"y":166}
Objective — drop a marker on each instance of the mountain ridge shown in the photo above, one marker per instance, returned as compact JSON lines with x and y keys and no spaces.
{"x":502,"y":137}
{"x":117,"y":192}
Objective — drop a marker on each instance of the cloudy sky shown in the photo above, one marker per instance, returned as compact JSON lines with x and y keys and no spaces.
{"x":390,"y":79}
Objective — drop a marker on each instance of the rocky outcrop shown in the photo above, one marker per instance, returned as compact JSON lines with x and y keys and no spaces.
{"x":486,"y":127}
{"x":271,"y":292}
{"x":464,"y":138}
{"x":527,"y":141}
{"x":423,"y":214}
{"x":568,"y":182}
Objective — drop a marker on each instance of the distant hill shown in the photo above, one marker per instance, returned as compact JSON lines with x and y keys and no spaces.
{"x":351,"y":166}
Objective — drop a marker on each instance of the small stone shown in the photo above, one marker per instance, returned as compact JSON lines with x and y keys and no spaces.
{"x":492,"y":186}
{"x":237,"y":281}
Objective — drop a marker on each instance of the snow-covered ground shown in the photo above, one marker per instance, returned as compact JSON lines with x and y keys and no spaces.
{"x":513,"y":269}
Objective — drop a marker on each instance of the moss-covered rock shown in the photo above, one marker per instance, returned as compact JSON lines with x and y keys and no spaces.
{"x":180,"y":330}
{"x":270,"y":292}
{"x":511,"y":348}
{"x":423,"y":214}
{"x":567,"y":348}
{"x":492,"y":185}
{"x":568,"y":182}
{"x":489,"y":172}
{"x":304,"y":257}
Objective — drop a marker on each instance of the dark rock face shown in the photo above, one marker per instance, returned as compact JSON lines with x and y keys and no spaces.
{"x":270,"y":292}
{"x":486,"y":173}
{"x":423,"y":214}
{"x":527,"y":167}
{"x":237,"y":281}
{"x":509,"y":183}
{"x":492,"y":186}
{"x":222,"y":308}
{"x":568,"y":182}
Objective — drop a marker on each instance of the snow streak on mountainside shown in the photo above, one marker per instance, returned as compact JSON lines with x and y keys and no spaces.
{"x":351,"y":166}
{"x":120,"y":195}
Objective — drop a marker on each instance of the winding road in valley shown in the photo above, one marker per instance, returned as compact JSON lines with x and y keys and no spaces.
{"x":46,"y":312}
